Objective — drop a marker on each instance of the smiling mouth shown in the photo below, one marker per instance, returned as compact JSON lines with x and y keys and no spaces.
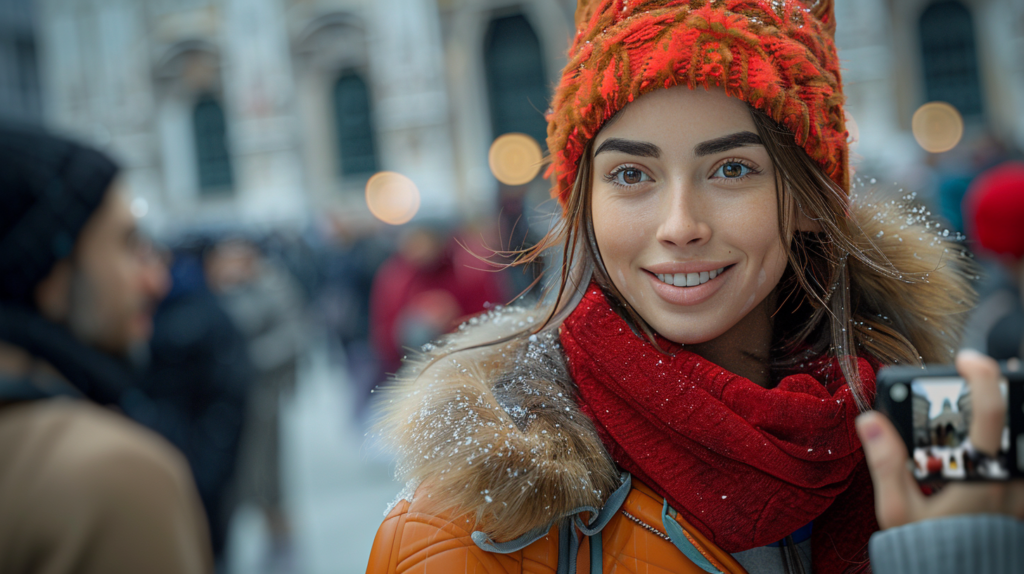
{"x":689,"y":279}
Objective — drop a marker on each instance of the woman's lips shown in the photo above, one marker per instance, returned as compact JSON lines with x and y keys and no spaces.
{"x":689,"y":295}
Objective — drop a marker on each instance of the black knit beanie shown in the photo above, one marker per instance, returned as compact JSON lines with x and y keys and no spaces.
{"x":49,"y":188}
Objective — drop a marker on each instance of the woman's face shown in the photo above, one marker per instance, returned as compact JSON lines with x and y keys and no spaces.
{"x":685,"y":212}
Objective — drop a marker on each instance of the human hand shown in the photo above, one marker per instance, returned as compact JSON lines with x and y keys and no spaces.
{"x":898,"y":498}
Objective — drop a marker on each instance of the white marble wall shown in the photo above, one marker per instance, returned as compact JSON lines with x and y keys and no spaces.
{"x":125,"y":74}
{"x":863,"y":36}
{"x":259,"y":97}
{"x":406,"y":67}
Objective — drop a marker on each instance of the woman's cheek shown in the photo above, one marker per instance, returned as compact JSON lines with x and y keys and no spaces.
{"x":616,"y":262}
{"x":614,"y":230}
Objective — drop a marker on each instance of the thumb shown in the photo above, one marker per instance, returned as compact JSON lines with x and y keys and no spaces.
{"x":983,"y":376}
{"x":896,"y":492}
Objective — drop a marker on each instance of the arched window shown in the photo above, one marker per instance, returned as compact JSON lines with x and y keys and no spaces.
{"x":949,"y":56}
{"x":516,"y":84}
{"x":354,"y":125}
{"x":212,"y":157}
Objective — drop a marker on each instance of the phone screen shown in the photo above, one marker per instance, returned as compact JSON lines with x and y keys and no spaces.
{"x":941,"y":409}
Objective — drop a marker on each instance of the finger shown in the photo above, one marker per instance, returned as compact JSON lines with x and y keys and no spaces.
{"x":1015,"y":499}
{"x":960,"y":498}
{"x":897,"y":497}
{"x":988,"y":410}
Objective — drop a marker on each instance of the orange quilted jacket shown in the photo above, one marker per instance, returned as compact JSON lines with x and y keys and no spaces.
{"x":634,"y":541}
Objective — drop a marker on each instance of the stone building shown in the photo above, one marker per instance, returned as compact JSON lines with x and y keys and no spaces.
{"x":900,"y":54}
{"x":947,"y":428}
{"x":276,"y":111}
{"x":271,"y":111}
{"x":920,"y":407}
{"x":963,"y":404}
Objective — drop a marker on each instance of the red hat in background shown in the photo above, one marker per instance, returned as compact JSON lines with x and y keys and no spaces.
{"x":994,"y":206}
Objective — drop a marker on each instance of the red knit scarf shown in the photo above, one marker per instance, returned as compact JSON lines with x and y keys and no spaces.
{"x":746,"y":465}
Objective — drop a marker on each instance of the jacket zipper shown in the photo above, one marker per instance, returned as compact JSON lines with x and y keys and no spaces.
{"x":646,"y":526}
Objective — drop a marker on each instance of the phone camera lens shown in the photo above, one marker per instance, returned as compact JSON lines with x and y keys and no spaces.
{"x":898,"y":392}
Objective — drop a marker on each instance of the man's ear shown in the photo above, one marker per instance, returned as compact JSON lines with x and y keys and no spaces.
{"x":53,"y":294}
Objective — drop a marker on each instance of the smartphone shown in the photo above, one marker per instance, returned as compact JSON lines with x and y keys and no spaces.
{"x":931,"y":408}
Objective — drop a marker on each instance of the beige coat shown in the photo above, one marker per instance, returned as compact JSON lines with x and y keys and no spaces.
{"x":84,"y":490}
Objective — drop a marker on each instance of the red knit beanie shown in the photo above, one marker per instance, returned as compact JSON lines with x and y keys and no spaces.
{"x":995,"y":209}
{"x":777,"y":55}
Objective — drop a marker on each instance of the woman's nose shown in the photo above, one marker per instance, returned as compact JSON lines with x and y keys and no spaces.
{"x":682,"y":223}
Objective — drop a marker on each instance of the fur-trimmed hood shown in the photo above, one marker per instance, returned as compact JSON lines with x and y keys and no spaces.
{"x":494,"y":428}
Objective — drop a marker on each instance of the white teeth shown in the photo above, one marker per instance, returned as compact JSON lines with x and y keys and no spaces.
{"x":689,"y":279}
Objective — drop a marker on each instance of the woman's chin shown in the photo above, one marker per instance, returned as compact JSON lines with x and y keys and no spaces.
{"x":688,"y":336}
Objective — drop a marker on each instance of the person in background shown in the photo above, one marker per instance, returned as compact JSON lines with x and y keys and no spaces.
{"x":424,"y":289}
{"x":994,"y":209}
{"x":266,"y":304}
{"x":350,"y":255}
{"x":82,"y":488}
{"x":195,"y":386}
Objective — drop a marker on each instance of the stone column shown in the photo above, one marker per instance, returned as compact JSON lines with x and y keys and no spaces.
{"x":411,"y":107}
{"x":259,"y":101}
{"x":96,"y":77}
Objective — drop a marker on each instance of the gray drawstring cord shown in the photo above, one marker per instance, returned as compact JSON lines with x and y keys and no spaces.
{"x":568,"y":538}
{"x":679,"y":539}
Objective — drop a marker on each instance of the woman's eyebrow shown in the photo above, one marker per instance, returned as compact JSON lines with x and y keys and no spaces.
{"x":726,"y":143}
{"x":630,"y":147}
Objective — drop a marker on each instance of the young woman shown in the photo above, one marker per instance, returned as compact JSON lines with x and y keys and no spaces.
{"x":687,"y":403}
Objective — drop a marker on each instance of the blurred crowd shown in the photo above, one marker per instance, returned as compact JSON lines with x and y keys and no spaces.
{"x":198,"y":337}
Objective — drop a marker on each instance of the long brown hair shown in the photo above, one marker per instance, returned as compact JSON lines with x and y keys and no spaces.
{"x":829,"y":283}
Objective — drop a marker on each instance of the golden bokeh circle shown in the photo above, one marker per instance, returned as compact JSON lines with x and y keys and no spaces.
{"x":392,"y":197}
{"x":515,"y":159}
{"x":937,"y":127}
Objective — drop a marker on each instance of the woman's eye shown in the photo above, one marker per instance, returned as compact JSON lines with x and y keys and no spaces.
{"x":732,"y":170}
{"x":630,"y":176}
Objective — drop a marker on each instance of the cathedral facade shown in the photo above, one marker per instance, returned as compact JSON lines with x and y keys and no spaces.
{"x":277,"y":111}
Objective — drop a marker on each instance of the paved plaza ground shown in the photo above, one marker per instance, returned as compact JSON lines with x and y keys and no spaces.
{"x":336,"y":488}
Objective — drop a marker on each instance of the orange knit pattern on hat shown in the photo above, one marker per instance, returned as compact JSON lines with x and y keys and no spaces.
{"x":777,"y":55}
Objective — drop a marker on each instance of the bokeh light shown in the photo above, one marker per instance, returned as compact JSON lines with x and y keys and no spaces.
{"x":392,"y":197}
{"x":514,"y":159}
{"x":937,"y":127}
{"x":139,"y":207}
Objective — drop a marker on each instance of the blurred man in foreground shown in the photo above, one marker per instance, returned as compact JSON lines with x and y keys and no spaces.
{"x":82,"y":488}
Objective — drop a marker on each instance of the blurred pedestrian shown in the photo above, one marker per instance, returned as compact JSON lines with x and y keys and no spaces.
{"x":266,"y":304}
{"x":423,"y":290}
{"x":349,"y":258}
{"x":82,"y":488}
{"x":994,"y":208}
{"x":195,"y":386}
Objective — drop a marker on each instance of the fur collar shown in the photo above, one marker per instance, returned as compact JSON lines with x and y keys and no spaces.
{"x":493,"y":429}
